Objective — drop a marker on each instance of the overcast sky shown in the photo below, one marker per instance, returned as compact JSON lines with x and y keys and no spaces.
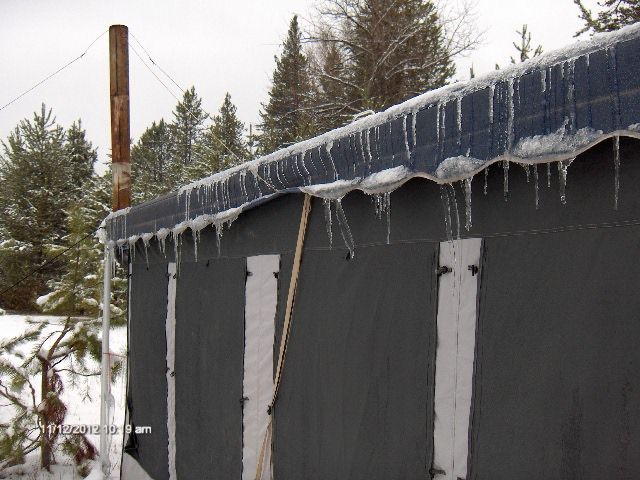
{"x":215,"y":45}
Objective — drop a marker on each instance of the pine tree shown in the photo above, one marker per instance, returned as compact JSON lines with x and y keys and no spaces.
{"x":186,"y":132}
{"x":286,"y":118}
{"x":225,"y":137}
{"x":525,"y":51}
{"x":80,"y":157}
{"x":78,"y":291}
{"x":151,"y":158}
{"x":392,"y":50}
{"x":332,"y":106}
{"x":615,"y":15}
{"x":37,"y":185}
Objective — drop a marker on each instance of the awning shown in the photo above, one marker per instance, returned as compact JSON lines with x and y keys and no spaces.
{"x":550,"y":108}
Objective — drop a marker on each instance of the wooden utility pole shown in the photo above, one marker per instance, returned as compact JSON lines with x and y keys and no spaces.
{"x":120,"y":198}
{"x":120,"y":152}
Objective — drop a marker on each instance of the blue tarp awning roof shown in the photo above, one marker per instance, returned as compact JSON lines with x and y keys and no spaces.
{"x":550,"y":108}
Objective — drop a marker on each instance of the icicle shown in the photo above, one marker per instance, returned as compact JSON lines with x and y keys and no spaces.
{"x":283,"y":165}
{"x":219,"y":227}
{"x":549,"y":175}
{"x":543,"y":79}
{"x":562,"y":173}
{"x":383,"y":205}
{"x":304,"y":167}
{"x":467,"y":202}
{"x":132,"y":246}
{"x":616,"y":166}
{"x":146,"y":238}
{"x":510,"y":116}
{"x":486,"y":180}
{"x":438,"y":123}
{"x":162,"y":237}
{"x":414,"y":114}
{"x":455,"y":209}
{"x":377,"y":202}
{"x":120,"y":244}
{"x":406,"y":137}
{"x":393,"y":155}
{"x":277,"y":165}
{"x":368,"y":135}
{"x":571,"y":96}
{"x":535,"y":181}
{"x":321,"y":161}
{"x":227,"y":191}
{"x":361,"y":137}
{"x":194,"y":234}
{"x":328,"y":148}
{"x":327,"y":219}
{"x":387,"y":207}
{"x":459,"y":121}
{"x":187,"y":196}
{"x":112,"y":258}
{"x":296,"y":158}
{"x":505,"y":167}
{"x":345,"y":231}
{"x":283,"y":172}
{"x":527,"y":169}
{"x":176,"y":250}
{"x":256,"y":183}
{"x":243,"y":185}
{"x":446,"y":206}
{"x":562,"y":182}
{"x":492,"y":90}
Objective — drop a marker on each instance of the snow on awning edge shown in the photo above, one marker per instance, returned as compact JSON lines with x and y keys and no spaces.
{"x":529,"y":150}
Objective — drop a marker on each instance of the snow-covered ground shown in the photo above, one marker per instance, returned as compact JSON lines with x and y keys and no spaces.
{"x":82,"y":400}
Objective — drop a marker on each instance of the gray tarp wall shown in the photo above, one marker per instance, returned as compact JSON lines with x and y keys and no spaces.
{"x":557,"y":383}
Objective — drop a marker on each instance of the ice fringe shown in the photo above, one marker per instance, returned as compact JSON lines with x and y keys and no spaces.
{"x":544,"y":149}
{"x":561,"y":145}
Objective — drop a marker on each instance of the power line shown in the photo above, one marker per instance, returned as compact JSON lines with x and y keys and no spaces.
{"x":153,"y":73}
{"x":208,"y":115}
{"x":154,"y":62}
{"x":54,"y":73}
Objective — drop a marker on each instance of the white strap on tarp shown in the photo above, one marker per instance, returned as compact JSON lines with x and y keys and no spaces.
{"x":261,"y":299}
{"x":456,"y":332}
{"x":293,"y":284}
{"x":170,"y":331}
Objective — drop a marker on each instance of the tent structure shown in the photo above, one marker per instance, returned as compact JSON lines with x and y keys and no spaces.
{"x":447,"y":289}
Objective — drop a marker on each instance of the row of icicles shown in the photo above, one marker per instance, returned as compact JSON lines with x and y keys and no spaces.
{"x":382,"y":206}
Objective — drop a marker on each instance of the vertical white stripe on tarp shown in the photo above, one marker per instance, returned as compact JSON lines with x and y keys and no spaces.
{"x":170,"y":329}
{"x":456,"y":326}
{"x":260,"y":310}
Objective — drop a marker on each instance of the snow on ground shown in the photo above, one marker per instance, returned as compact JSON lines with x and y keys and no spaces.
{"x":82,"y":400}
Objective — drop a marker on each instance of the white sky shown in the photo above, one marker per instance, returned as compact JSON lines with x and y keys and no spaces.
{"x":216,"y":45}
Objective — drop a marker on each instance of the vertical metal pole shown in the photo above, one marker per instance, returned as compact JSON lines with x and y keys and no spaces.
{"x":119,"y":94}
{"x":106,"y":361}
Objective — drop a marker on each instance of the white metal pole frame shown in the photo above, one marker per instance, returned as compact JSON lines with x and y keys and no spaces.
{"x":106,"y":361}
